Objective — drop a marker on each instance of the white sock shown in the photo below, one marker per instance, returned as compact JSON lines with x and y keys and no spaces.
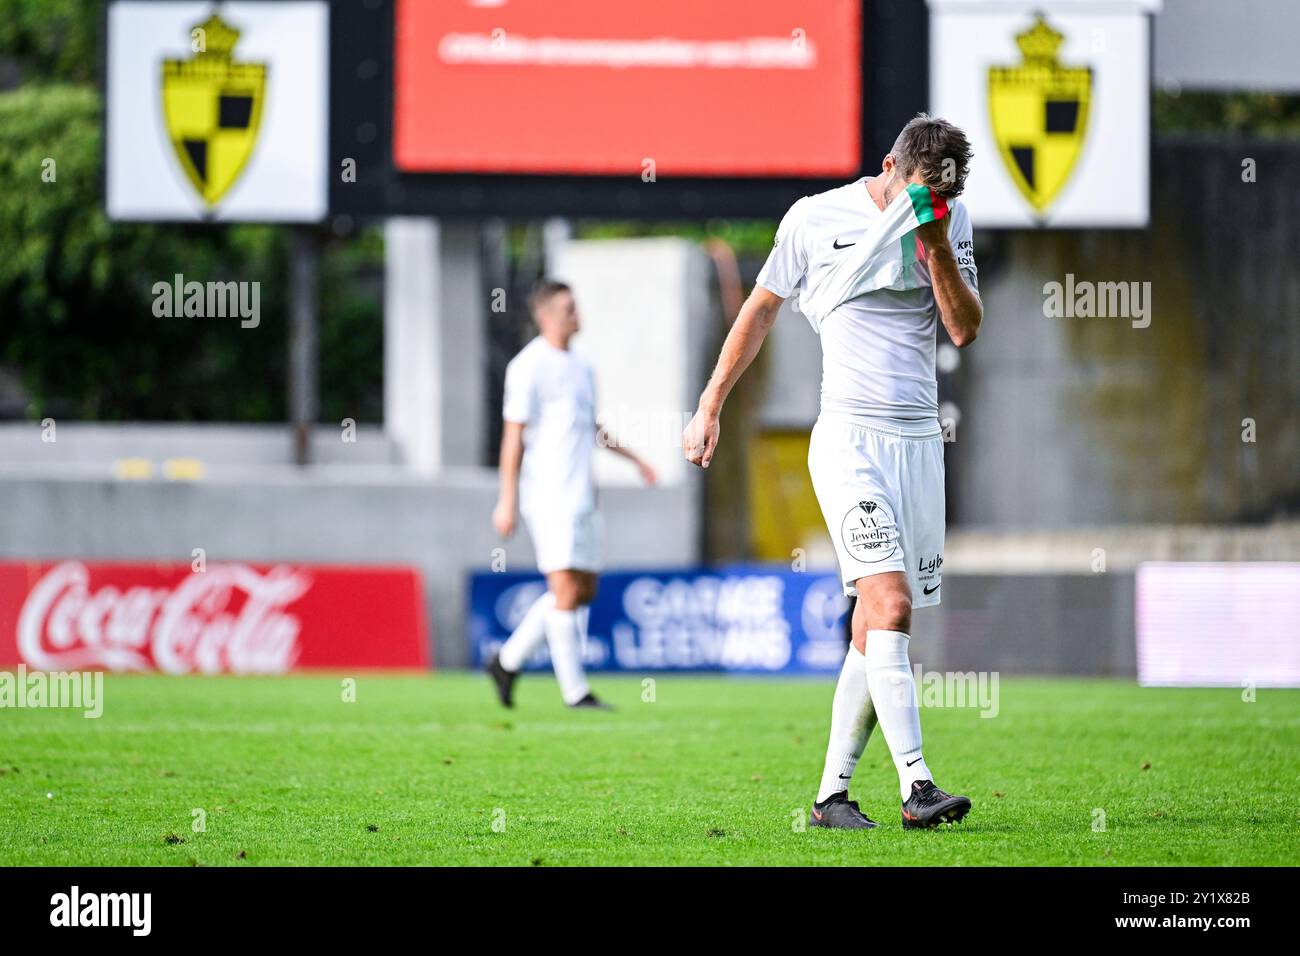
{"x":584,"y":618}
{"x":893,"y":692}
{"x":852,"y":719}
{"x":528,"y":636}
{"x":566,"y":656}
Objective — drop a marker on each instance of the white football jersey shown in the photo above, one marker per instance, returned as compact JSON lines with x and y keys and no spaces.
{"x":877,"y":349}
{"x":552,"y":393}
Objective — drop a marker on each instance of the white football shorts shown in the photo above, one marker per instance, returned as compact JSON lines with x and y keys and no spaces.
{"x":565,"y":540}
{"x":880,"y":486}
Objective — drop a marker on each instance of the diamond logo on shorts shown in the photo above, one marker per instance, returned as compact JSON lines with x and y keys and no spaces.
{"x":869,"y":533}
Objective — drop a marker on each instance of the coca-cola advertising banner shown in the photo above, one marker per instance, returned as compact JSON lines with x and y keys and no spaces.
{"x":227,"y":618}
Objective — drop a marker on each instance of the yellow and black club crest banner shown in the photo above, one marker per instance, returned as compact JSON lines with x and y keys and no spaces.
{"x":212,"y":105}
{"x":1039,"y":113}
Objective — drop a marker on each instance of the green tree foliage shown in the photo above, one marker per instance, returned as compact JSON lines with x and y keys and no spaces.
{"x":1214,"y":114}
{"x":76,"y":302}
{"x":52,"y":40}
{"x":76,"y":290}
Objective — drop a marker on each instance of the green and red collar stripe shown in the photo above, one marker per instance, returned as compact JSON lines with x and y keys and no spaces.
{"x":927,"y":205}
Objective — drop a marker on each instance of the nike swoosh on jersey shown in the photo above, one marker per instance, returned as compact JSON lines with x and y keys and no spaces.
{"x":930,"y":590}
{"x":837,"y":245}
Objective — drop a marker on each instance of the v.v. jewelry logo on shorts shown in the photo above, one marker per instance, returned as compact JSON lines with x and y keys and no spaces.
{"x":869,"y":532}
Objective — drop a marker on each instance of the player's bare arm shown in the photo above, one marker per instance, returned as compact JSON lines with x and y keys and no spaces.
{"x":744,"y":340}
{"x":959,"y":305}
{"x":605,"y":440}
{"x":504,"y":515}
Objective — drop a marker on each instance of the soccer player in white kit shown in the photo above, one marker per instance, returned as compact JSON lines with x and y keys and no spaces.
{"x":876,"y":453}
{"x":546,"y":445}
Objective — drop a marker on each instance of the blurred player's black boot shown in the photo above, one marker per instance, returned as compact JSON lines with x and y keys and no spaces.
{"x":928,"y":806}
{"x":591,"y":702}
{"x":504,"y":679}
{"x":838,"y":812}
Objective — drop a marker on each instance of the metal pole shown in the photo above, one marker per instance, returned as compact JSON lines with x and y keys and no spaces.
{"x":304,"y":339}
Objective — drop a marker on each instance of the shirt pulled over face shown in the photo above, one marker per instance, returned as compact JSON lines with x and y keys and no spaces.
{"x":878,"y":349}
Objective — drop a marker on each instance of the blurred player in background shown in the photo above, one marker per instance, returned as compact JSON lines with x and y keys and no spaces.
{"x":876,"y":452}
{"x":550,"y":432}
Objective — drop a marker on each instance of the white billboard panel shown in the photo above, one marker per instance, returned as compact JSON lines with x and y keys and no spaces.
{"x":1231,"y":624}
{"x":1055,"y":97}
{"x":217,"y":113}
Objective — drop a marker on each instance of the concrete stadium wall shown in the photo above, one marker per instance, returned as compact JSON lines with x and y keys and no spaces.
{"x":441,"y":526}
{"x":1069,"y":422}
{"x":1062,"y":602}
{"x":1077,"y":624}
{"x":1091,"y":421}
{"x":1014,"y":603}
{"x":646,"y":312}
{"x":26,"y":446}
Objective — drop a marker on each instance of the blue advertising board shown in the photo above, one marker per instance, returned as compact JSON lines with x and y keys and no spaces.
{"x":750,"y":619}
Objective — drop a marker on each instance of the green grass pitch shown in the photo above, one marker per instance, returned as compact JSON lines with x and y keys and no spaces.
{"x":429,"y":770}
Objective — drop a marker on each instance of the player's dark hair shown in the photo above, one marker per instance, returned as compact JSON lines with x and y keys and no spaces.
{"x":543,"y":291}
{"x":937,"y":150}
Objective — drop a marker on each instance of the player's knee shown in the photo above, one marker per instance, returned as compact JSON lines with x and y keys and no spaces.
{"x":566,"y":590}
{"x":892,"y":612}
{"x":589,"y":589}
